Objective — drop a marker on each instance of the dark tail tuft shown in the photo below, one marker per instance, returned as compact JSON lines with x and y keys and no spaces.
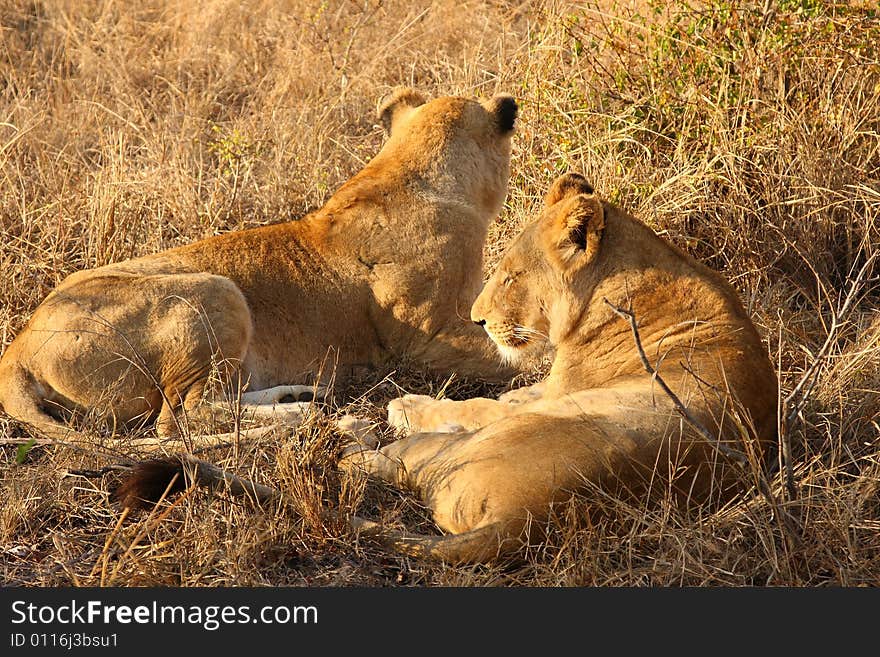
{"x":144,"y":484}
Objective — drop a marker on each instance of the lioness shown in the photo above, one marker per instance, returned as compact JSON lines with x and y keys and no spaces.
{"x":383,"y":271}
{"x":486,"y":467}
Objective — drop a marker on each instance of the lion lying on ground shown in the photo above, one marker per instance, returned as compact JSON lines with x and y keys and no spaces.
{"x":488,"y":469}
{"x":382,"y":272}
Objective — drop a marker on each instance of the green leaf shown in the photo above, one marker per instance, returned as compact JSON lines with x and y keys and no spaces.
{"x":23,"y":450}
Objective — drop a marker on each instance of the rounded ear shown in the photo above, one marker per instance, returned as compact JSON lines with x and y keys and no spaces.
{"x":505,"y":110}
{"x":397,"y":104}
{"x":579,"y":228}
{"x":568,"y":184}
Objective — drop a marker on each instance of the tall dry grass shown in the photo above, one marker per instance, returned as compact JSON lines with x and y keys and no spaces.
{"x":746,"y":132}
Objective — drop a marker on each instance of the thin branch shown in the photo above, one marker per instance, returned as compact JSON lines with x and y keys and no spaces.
{"x":97,"y":474}
{"x":680,"y":408}
{"x":82,"y":445}
{"x":795,"y":401}
{"x":799,"y":394}
{"x":782,"y":426}
{"x":214,"y":477}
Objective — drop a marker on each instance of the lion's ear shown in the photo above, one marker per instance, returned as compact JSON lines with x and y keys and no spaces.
{"x":568,"y":184}
{"x":579,"y":229}
{"x":396,"y":105}
{"x":505,"y":110}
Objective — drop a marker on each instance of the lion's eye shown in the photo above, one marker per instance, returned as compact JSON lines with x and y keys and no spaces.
{"x":509,"y":279}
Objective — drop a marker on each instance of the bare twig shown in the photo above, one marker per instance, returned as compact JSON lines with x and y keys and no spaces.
{"x":794,"y":402}
{"x":96,"y":474}
{"x":680,"y":408}
{"x":784,"y":435}
{"x":798,"y":396}
{"x":75,"y":442}
{"x":216,"y":478}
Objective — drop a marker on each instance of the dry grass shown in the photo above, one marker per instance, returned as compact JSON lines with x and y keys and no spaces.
{"x":746,"y":132}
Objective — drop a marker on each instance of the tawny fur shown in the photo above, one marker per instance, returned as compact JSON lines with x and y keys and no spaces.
{"x":384,"y":271}
{"x":488,"y":469}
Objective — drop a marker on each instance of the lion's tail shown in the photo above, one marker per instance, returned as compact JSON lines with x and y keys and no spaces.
{"x":148,"y":481}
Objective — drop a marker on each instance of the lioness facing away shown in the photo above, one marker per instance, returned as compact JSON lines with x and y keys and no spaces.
{"x":384,"y":271}
{"x":486,"y":468}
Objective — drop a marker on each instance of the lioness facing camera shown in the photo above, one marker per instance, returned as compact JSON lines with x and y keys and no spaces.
{"x":383,"y":271}
{"x":486,"y":468}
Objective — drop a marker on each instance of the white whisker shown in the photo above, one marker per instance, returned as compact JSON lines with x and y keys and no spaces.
{"x":526,"y":332}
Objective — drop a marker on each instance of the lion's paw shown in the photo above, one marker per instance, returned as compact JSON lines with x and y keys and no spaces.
{"x":523,"y":395}
{"x":362,"y":446}
{"x":450,"y":427}
{"x":410,"y":412}
{"x":359,"y":430}
{"x":354,"y":458}
{"x":291,"y":414}
{"x":285,"y":395}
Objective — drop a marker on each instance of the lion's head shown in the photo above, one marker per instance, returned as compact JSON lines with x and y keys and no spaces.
{"x":539,"y":283}
{"x":460,"y":144}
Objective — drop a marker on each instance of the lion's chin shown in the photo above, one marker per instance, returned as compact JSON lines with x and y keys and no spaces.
{"x":511,"y":355}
